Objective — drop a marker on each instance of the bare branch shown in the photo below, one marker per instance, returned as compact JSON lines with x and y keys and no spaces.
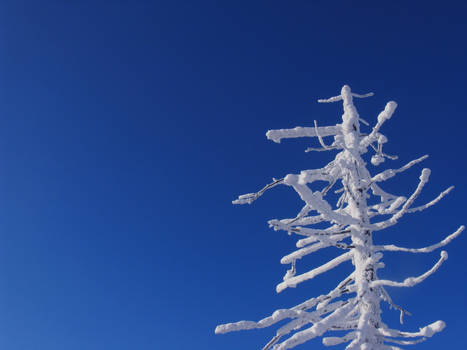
{"x":273,"y":341}
{"x":325,"y":190}
{"x":363,"y":121}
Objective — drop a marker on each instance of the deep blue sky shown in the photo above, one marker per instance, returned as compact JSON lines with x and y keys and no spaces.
{"x":127,"y":127}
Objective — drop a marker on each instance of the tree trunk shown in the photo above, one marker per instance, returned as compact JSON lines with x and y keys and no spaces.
{"x":356,"y":183}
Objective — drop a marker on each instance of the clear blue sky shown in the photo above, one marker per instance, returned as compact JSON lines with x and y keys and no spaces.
{"x":127,"y":127}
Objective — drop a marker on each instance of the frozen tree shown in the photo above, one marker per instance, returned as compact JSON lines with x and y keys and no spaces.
{"x":353,"y":307}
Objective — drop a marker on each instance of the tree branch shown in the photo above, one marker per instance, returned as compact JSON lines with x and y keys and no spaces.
{"x":382,"y":117}
{"x":315,"y":201}
{"x":292,"y":282}
{"x":251,"y":197}
{"x":433,"y":202}
{"x":316,"y":330}
{"x":427,"y":331}
{"x":393,"y":220}
{"x":428,"y":249}
{"x":412,"y":281}
{"x":329,"y":341}
{"x":387,"y":174}
{"x":279,"y":134}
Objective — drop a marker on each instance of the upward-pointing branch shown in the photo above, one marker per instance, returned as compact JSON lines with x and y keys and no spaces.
{"x":428,"y":249}
{"x":387,"y":174}
{"x":412,"y":281}
{"x":386,"y":114}
{"x":393,"y":220}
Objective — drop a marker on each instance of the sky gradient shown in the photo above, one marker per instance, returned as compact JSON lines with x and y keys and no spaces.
{"x":128,"y":127}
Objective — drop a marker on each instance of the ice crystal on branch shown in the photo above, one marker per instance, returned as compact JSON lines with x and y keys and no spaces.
{"x":353,"y":307}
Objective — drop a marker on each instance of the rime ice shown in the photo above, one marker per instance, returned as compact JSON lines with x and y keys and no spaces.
{"x":354,"y":305}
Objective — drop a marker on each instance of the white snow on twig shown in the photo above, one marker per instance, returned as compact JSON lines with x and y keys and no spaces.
{"x":428,"y":249}
{"x":292,"y":282}
{"x":412,"y":281}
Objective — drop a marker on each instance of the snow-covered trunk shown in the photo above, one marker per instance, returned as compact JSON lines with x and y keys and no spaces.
{"x":356,"y":180}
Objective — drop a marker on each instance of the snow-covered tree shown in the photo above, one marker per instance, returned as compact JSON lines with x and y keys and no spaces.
{"x":353,"y":306}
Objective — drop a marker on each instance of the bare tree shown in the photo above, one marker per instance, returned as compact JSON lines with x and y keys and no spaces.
{"x":354,"y":305}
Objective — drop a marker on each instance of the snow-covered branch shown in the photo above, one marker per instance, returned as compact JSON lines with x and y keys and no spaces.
{"x":315,"y":201}
{"x":251,"y":197}
{"x":294,"y":312}
{"x":316,"y":330}
{"x":387,"y":174}
{"x":339,"y":97}
{"x":393,"y":220}
{"x":310,"y":317}
{"x":294,"y":225}
{"x":329,"y":341}
{"x":431,"y":203}
{"x":428,"y":249}
{"x":382,"y":117}
{"x":412,"y":281}
{"x":292,"y":282}
{"x":338,"y":234}
{"x":279,"y":134}
{"x":404,"y":342}
{"x":389,"y":206}
{"x":427,"y":331}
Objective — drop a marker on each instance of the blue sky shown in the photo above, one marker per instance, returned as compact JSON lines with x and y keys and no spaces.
{"x":129,"y":126}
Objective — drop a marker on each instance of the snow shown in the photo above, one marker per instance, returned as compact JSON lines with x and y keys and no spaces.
{"x":387,"y":113}
{"x":292,"y":282}
{"x":412,"y":281}
{"x":278,"y":135}
{"x":428,"y":249}
{"x":354,"y":305}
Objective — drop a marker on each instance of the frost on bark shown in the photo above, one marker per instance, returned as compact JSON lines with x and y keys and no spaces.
{"x":353,"y":306}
